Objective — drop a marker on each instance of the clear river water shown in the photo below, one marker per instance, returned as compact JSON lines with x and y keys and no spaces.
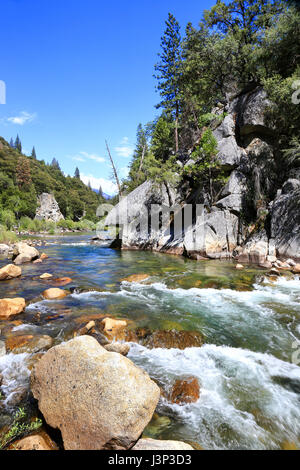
{"x":248,"y":370}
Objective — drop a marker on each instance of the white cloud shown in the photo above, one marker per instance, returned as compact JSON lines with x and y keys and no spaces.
{"x":22,"y":119}
{"x":92,"y":156}
{"x":125,"y":149}
{"x":107,"y":186}
{"x":78,"y":159}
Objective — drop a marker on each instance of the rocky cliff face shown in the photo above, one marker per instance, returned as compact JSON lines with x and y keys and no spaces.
{"x":48,"y":209}
{"x":247,"y":152}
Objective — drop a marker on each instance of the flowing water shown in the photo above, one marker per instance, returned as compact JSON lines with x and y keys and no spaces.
{"x":247,"y":370}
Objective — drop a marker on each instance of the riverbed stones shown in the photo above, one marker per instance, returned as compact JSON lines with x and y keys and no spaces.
{"x":23,"y":253}
{"x":154,"y":444}
{"x":98,"y":399}
{"x":11,"y":307}
{"x":44,"y":256}
{"x":46,"y":276}
{"x":185,"y":391}
{"x":54,"y":294}
{"x":10,"y":272}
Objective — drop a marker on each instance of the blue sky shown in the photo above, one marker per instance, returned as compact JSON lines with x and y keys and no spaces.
{"x":78,"y":72}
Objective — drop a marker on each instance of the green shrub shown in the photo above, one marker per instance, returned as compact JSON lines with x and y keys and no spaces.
{"x":7,"y":218}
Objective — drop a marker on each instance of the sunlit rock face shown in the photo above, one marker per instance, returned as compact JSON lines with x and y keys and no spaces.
{"x":247,"y":154}
{"x":48,"y":209}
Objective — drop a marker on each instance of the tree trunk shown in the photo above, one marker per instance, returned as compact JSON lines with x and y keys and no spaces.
{"x":114,"y":170}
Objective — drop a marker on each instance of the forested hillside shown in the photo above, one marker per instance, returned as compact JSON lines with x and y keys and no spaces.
{"x":23,"y":179}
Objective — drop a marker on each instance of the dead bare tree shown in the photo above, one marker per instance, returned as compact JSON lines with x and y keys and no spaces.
{"x":114,"y":169}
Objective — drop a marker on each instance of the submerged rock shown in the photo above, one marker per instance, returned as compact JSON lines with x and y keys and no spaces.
{"x":62,"y":281}
{"x":154,"y":444}
{"x":98,"y":399}
{"x":173,"y":339}
{"x":136,"y":278}
{"x":11,"y":307}
{"x":10,"y":272}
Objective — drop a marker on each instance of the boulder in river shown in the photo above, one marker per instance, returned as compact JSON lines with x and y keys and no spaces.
{"x":185,"y":391}
{"x":98,"y":399}
{"x":11,"y":307}
{"x":23,"y":253}
{"x":54,"y":294}
{"x":154,"y":444}
{"x":10,"y":272}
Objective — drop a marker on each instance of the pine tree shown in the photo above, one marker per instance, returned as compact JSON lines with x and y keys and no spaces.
{"x":89,"y":185}
{"x":18,"y":144}
{"x":23,"y":173}
{"x":77,"y":173}
{"x":33,"y":154}
{"x":11,"y":143}
{"x":55,"y":164}
{"x":169,"y":72}
{"x":100,"y":193}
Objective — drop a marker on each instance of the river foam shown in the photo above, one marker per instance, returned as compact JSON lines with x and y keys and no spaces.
{"x":248,"y":400}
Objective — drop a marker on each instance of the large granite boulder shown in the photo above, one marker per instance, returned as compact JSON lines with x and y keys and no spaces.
{"x":98,"y":399}
{"x":48,"y":209}
{"x":24,"y":253}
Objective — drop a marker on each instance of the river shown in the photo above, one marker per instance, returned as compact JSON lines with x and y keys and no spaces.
{"x":249,"y":385}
